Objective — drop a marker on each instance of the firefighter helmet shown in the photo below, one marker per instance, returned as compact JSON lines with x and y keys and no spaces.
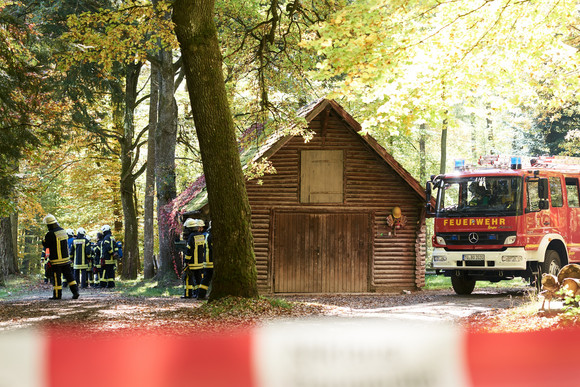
{"x":81,"y":231}
{"x":396,"y":212}
{"x":106,"y":227}
{"x":70,"y":232}
{"x":49,"y":219}
{"x":189,"y":223}
{"x":199,"y":223}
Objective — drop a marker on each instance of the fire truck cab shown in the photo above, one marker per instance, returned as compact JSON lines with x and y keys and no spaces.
{"x":504,"y":220}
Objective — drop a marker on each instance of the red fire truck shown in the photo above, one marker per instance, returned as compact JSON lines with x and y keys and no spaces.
{"x":504,"y":219}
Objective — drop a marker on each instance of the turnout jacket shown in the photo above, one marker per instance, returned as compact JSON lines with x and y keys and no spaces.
{"x":208,"y":262}
{"x":56,"y":240}
{"x":80,"y":252}
{"x":196,"y":249}
{"x":107,"y":249}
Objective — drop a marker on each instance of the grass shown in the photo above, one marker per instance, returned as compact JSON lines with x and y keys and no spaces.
{"x":19,"y":284}
{"x":147,"y":288}
{"x":436,"y":282}
{"x":239,"y":307}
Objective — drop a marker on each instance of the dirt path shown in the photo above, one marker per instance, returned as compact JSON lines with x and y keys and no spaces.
{"x":108,"y":310}
{"x":438,"y":305}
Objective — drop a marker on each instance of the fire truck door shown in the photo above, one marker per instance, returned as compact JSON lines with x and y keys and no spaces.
{"x":558,"y":213}
{"x":573,"y":221}
{"x":537,"y":213}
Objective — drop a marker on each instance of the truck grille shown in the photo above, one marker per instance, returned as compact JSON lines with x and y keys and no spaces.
{"x":483,"y":238}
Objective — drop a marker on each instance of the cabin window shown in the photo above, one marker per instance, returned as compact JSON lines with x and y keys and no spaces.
{"x":322,"y":176}
{"x":572,"y":192}
{"x":556,"y":192}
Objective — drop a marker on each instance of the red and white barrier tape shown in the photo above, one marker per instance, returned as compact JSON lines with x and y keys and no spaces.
{"x":315,"y":353}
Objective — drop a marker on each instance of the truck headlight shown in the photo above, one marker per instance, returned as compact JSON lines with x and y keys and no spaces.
{"x":440,"y":240}
{"x":439,"y":258}
{"x":510,"y":240}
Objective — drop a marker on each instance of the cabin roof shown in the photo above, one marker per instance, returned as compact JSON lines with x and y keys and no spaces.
{"x":195,"y":197}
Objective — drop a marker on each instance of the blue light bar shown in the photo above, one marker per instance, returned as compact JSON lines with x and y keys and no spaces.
{"x":459,"y":164}
{"x":516,"y":163}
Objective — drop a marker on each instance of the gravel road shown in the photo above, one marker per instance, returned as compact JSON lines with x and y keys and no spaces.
{"x":97,"y":308}
{"x":421,"y":306}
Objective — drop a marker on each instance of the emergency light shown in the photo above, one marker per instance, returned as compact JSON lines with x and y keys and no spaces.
{"x":516,"y":163}
{"x":459,"y":164}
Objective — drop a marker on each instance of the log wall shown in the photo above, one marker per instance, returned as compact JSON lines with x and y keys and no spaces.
{"x":371,"y":186}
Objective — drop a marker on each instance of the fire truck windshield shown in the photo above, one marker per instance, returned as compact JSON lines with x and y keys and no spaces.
{"x":480,"y":196}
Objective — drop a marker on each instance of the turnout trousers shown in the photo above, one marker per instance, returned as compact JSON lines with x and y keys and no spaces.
{"x":191,"y":282}
{"x":59,"y":271}
{"x":205,"y":282}
{"x":81,"y":277}
{"x":108,"y":276}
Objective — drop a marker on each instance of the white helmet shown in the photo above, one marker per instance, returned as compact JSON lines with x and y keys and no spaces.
{"x":49,"y":219}
{"x":70,"y":231}
{"x":189,"y":223}
{"x":81,"y":231}
{"x":106,"y":227}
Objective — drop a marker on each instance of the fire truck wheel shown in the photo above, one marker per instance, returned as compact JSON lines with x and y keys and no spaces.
{"x":551,"y":263}
{"x":462,"y":285}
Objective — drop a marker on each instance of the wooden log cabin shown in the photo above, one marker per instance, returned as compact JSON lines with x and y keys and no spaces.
{"x":320,"y":222}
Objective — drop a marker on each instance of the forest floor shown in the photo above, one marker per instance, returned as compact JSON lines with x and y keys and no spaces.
{"x":490,"y":309}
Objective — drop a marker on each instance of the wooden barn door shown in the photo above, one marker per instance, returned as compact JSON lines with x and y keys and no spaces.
{"x":321,"y":252}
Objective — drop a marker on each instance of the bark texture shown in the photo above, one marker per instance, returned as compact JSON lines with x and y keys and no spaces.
{"x":149,"y":201}
{"x":235,"y":266}
{"x":131,"y":262}
{"x":6,"y":246}
{"x":166,"y":137}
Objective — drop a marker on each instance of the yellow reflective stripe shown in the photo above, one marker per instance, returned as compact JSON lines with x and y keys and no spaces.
{"x":204,"y":287}
{"x":58,"y":287}
{"x":195,"y":266}
{"x":208,"y":265}
{"x":58,"y":261}
{"x":72,"y":283}
{"x":109,"y":261}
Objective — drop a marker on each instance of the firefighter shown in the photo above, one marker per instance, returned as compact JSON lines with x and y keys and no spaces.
{"x":108,"y":255}
{"x":43,"y":261}
{"x":194,"y":257}
{"x":80,"y":253}
{"x":90,"y":276}
{"x":97,"y":267}
{"x":56,"y":240}
{"x":207,"y":265}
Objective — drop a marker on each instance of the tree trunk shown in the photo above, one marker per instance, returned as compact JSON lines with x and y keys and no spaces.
{"x":422,"y":153}
{"x":12,"y":264}
{"x":442,"y":167}
{"x":131,"y":246}
{"x":165,"y":140}
{"x":6,"y":247}
{"x":149,"y":202}
{"x":235,"y":263}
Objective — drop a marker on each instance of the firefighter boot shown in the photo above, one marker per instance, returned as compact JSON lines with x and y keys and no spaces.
{"x":56,"y":294}
{"x":201,"y":293}
{"x":75,"y":291}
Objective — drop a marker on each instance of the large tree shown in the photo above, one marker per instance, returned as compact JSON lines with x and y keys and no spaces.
{"x":409,"y":62}
{"x":235,"y":268}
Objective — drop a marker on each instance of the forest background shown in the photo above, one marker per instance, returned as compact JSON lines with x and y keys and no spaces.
{"x":96,"y":126}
